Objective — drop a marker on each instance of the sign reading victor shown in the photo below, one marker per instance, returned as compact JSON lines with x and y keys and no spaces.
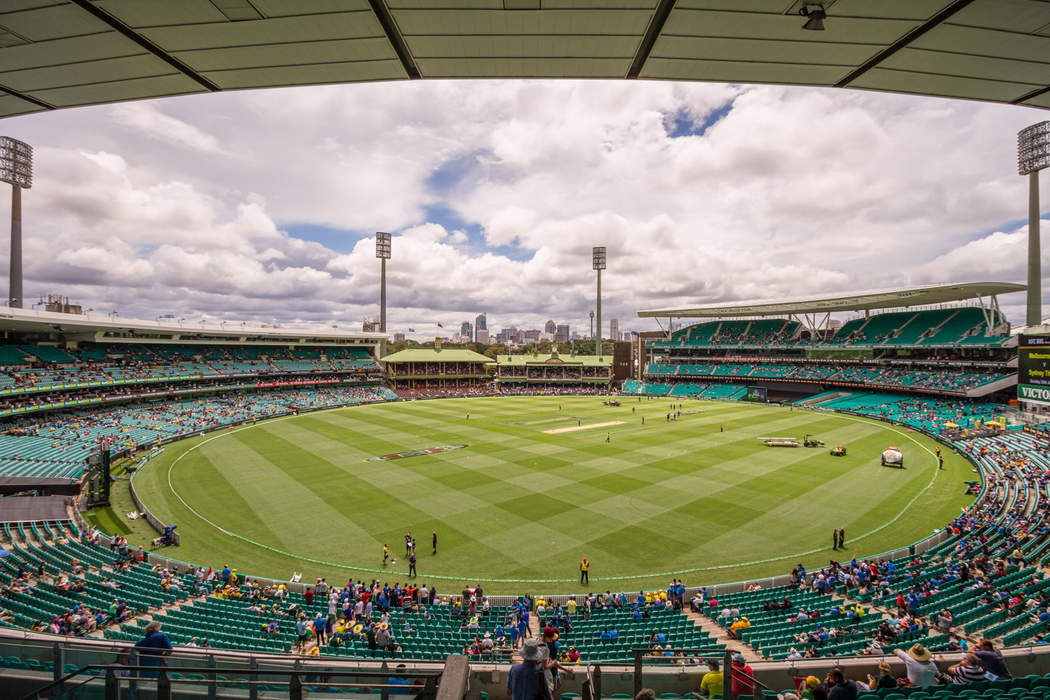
{"x":1033,"y":368}
{"x":416,"y":453}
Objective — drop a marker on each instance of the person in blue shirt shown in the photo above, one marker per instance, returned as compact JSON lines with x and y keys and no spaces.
{"x":153,"y":648}
{"x":398,"y":680}
{"x":302,"y":628}
{"x":525,"y":680}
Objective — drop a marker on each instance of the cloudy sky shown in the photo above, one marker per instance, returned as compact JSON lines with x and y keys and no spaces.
{"x":262,"y":205}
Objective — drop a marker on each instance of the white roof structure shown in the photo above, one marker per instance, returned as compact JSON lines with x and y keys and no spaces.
{"x":852,"y":301}
{"x":66,"y":53}
{"x":115,"y":329}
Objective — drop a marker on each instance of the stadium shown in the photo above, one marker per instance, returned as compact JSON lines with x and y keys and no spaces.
{"x":240,"y":509}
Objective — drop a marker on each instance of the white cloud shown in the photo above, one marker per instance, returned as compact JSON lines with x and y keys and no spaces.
{"x":185,"y":205}
{"x":147,"y":118}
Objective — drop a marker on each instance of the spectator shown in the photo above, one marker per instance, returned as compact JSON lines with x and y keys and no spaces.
{"x":992,"y":660}
{"x":921,"y":669}
{"x":525,"y":680}
{"x":743,"y":676}
{"x":152,"y":648}
{"x":841,"y":687}
{"x":712,"y":682}
{"x":968,"y":670}
{"x":885,"y":679}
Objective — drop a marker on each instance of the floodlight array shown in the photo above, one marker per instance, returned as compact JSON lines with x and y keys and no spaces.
{"x":16,"y":162}
{"x":1033,"y":148}
{"x":598,"y":258}
{"x":383,"y":245}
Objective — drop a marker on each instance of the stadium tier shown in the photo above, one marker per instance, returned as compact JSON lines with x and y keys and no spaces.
{"x":943,"y":379}
{"x":28,"y":369}
{"x":947,"y":328}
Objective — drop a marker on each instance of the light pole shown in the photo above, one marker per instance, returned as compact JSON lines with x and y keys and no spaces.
{"x":383,"y":253}
{"x":591,"y":314}
{"x":1033,"y":154}
{"x":598,"y":263}
{"x":16,"y":169}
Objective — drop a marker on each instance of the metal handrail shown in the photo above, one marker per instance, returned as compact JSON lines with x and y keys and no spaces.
{"x":291,"y":674}
{"x":725,"y":656}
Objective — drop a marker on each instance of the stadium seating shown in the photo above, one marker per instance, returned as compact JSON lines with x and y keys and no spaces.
{"x":942,"y":328}
{"x":941,"y":379}
{"x":56,"y":445}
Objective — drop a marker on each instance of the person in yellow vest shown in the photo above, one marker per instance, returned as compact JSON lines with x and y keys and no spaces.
{"x":734,"y":629}
{"x":585,"y":567}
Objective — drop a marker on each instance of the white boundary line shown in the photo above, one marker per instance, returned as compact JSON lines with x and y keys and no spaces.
{"x":868,"y":421}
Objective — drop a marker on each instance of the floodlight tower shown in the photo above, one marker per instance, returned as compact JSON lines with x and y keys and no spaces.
{"x":598,"y":264}
{"x":383,"y":253}
{"x":16,"y":169}
{"x":1033,"y":155}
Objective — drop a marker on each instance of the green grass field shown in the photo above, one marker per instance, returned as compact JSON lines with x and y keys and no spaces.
{"x":517,"y":507}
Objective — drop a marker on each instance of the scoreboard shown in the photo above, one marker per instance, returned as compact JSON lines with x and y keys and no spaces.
{"x":756,"y":393}
{"x":1033,"y":368}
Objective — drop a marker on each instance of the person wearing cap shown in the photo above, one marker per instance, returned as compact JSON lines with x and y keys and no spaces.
{"x":922,"y":671}
{"x":814,"y":689}
{"x":525,"y":680}
{"x":743,"y":676}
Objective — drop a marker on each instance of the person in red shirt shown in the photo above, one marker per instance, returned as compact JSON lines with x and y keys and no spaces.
{"x":743,"y":676}
{"x":309,"y":595}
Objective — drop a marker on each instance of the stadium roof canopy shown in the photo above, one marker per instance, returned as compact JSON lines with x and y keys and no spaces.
{"x":529,"y":359}
{"x":435,"y":355}
{"x":854,"y":301}
{"x":114,"y":329}
{"x":66,"y":53}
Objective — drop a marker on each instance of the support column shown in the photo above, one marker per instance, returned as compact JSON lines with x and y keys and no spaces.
{"x":14,"y":296}
{"x":382,"y":295}
{"x":598,"y":336}
{"x":1035,"y":268}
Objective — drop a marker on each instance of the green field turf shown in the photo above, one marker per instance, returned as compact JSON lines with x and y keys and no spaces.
{"x":517,"y":508}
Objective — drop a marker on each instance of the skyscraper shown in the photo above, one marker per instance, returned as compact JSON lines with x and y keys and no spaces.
{"x":466,"y":330}
{"x":480,"y":325}
{"x":550,"y":327}
{"x":614,"y":329}
{"x":561,"y":334}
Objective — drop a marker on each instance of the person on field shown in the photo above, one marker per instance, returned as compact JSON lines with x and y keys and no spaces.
{"x":434,"y":541}
{"x":386,"y":553}
{"x":585,"y":571}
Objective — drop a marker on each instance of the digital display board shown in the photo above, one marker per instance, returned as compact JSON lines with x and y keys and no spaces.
{"x":756,"y":393}
{"x":1033,"y":368}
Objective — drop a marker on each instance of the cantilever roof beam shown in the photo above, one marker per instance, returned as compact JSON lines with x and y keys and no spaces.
{"x":130,"y":34}
{"x":393,"y":34}
{"x":652,"y":33}
{"x":904,"y":41}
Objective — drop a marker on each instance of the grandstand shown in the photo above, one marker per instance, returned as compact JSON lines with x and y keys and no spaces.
{"x":941,"y":343}
{"x":438,"y":372}
{"x":552,"y":372}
